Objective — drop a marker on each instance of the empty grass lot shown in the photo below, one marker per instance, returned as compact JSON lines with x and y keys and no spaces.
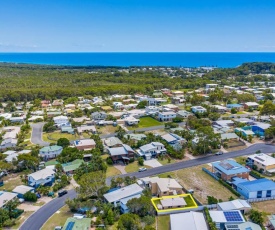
{"x":11,"y":181}
{"x":145,"y":122}
{"x":112,"y":171}
{"x":108,"y":129}
{"x":202,"y":184}
{"x":133,"y":167}
{"x":53,"y":137}
{"x":58,"y":219}
{"x":163,"y":222}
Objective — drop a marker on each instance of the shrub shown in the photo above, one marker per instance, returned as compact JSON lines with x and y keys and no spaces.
{"x":131,"y":160}
{"x":109,"y":161}
{"x":30,"y":196}
{"x":148,"y":220}
{"x":140,"y":161}
{"x":229,"y":187}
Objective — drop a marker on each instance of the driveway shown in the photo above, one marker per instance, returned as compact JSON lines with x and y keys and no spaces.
{"x":36,"y":138}
{"x":152,"y":163}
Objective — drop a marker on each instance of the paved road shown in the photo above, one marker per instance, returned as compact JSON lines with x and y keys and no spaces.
{"x":35,"y":221}
{"x":36,"y":138}
{"x":199,"y":161}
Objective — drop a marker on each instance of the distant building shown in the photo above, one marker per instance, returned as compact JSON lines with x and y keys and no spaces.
{"x":99,"y":116}
{"x":60,"y":120}
{"x":238,"y":107}
{"x":198,"y":109}
{"x":253,"y":105}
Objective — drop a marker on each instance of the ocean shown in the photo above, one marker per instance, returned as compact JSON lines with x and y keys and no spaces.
{"x":191,"y":59}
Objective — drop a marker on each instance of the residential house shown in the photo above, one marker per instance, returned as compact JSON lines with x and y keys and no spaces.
{"x":67,"y":128}
{"x":241,"y":205}
{"x":262,"y":162}
{"x":166,"y":116}
{"x":85,"y":144}
{"x":135,"y":136}
{"x":45,"y":103}
{"x":244,"y":120}
{"x":152,"y":110}
{"x":220,"y":109}
{"x":174,"y":140}
{"x":112,"y":142}
{"x":162,"y":186}
{"x":222,"y":218}
{"x":50,"y":152}
{"x":229,"y":136}
{"x":177,"y":93}
{"x":155,"y":101}
{"x":58,"y":103}
{"x":171,"y":203}
{"x":21,"y":190}
{"x":17,"y":119}
{"x":99,"y":116}
{"x":70,"y":167}
{"x":106,"y":108}
{"x":198,"y":109}
{"x":259,"y":128}
{"x":224,"y":123}
{"x":59,"y":120}
{"x":243,"y":226}
{"x":261,"y":188}
{"x":244,"y":132}
{"x":5,"y":197}
{"x":123,"y":153}
{"x":253,"y":105}
{"x":44,"y":177}
{"x":171,"y":107}
{"x":228,"y":169}
{"x":115,"y":197}
{"x":194,"y":221}
{"x":86,"y":128}
{"x":118,"y":105}
{"x":70,"y":106}
{"x":178,"y":100}
{"x":130,"y":120}
{"x":238,"y":107}
{"x":151,"y":150}
{"x":8,"y":143}
{"x":183,"y":114}
{"x":74,"y":223}
{"x":123,"y":203}
{"x":210,"y":87}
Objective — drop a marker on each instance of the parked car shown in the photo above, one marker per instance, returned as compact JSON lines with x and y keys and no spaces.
{"x":58,"y":228}
{"x":219,"y":153}
{"x":62,"y":193}
{"x":142,"y":169}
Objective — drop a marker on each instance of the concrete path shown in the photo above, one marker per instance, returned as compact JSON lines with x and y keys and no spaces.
{"x":152,"y":163}
{"x":121,"y":168}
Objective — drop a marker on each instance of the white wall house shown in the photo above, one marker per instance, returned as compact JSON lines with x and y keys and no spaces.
{"x":198,"y":109}
{"x":41,"y":177}
{"x":151,"y":110}
{"x":166,"y":116}
{"x":50,"y":152}
{"x":60,"y":120}
{"x":151,"y":150}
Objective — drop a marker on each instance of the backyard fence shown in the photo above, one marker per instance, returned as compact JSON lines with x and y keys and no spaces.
{"x":210,"y":173}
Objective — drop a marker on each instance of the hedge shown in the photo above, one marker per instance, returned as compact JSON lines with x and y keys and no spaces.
{"x":229,"y":188}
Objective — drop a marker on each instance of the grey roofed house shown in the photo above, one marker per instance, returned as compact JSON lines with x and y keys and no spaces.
{"x":194,"y":221}
{"x":22,"y":189}
{"x":89,"y":128}
{"x":124,"y":149}
{"x":229,"y":136}
{"x":122,"y":193}
{"x":112,"y":141}
{"x":134,"y":136}
{"x":173,"y":202}
{"x":99,"y":115}
{"x":8,"y":143}
{"x":6,"y":197}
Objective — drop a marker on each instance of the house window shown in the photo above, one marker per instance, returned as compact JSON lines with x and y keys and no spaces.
{"x":259,"y":194}
{"x":268,"y":193}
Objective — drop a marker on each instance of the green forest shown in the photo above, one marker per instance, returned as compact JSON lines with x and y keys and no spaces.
{"x":23,"y":82}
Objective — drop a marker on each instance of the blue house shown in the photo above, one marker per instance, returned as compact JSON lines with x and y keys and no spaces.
{"x":262,"y":188}
{"x":21,"y":190}
{"x":259,"y":128}
{"x":44,"y":177}
{"x":235,"y":106}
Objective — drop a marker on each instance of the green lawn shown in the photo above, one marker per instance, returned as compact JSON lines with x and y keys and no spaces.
{"x":240,"y":112}
{"x":58,"y":219}
{"x":133,"y":167}
{"x":53,"y":137}
{"x":164,"y":161}
{"x":145,"y":122}
{"x":163,"y":222}
{"x":112,"y":171}
{"x":11,"y":181}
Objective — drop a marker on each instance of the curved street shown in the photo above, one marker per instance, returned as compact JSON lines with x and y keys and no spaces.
{"x":36,"y":221}
{"x":36,"y":137}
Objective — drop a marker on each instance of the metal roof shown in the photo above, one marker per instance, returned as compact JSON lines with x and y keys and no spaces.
{"x":230,"y":167}
{"x":194,"y":221}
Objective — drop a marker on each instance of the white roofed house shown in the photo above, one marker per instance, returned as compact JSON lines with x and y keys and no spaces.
{"x":21,"y":190}
{"x":5,"y":197}
{"x":112,"y":142}
{"x":198,"y":109}
{"x":116,"y":196}
{"x":44,"y":177}
{"x":151,"y":110}
{"x":238,"y":204}
{"x":194,"y":221}
{"x":151,"y":150}
{"x":166,"y":116}
{"x":86,"y":128}
{"x":8,"y":143}
{"x":59,"y":120}
{"x":130,"y":120}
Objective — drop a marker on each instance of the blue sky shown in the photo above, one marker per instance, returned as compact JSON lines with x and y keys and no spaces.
{"x":137,"y":25}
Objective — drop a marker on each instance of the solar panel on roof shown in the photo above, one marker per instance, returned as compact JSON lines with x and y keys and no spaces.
{"x":233,"y":216}
{"x":70,"y":226}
